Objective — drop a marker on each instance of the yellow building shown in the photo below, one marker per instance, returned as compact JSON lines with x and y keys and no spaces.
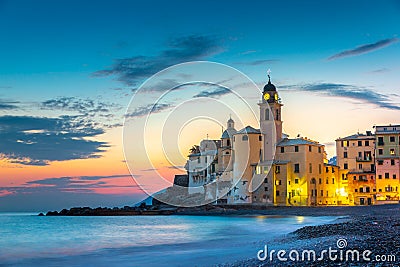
{"x":356,"y":160}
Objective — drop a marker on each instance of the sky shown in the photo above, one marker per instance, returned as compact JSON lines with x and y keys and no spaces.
{"x":71,"y":72}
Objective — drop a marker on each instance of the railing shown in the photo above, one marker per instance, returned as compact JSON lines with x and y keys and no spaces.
{"x":363,"y":159}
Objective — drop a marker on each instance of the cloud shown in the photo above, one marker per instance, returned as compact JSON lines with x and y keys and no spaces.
{"x":220,"y":91}
{"x":6,"y":105}
{"x":75,"y":181}
{"x":188,"y":48}
{"x":364,"y":48}
{"x":348,"y":91}
{"x":259,"y":62}
{"x":39,"y":140}
{"x":82,"y":106}
{"x":383,"y":70}
{"x":148,"y":109}
{"x":65,"y":192}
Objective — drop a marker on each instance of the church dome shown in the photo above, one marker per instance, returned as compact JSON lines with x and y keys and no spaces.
{"x":269,"y":86}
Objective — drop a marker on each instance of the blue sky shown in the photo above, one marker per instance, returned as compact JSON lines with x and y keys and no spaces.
{"x":78,"y":63}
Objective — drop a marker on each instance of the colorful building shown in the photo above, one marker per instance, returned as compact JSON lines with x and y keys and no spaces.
{"x":355,"y":155}
{"x":265,"y":167}
{"x":387,"y":163}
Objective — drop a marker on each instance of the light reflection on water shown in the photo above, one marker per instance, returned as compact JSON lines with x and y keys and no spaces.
{"x":27,"y":236}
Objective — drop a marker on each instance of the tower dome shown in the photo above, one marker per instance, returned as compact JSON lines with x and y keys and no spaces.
{"x":269,"y":86}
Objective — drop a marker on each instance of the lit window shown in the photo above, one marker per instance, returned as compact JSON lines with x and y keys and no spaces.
{"x":258,"y":170}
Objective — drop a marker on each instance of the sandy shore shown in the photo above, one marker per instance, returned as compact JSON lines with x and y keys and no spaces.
{"x":373,"y":228}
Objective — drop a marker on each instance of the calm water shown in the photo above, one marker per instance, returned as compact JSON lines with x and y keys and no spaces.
{"x":27,"y":239}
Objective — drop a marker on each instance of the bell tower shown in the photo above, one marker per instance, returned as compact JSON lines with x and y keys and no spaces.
{"x":270,"y":119}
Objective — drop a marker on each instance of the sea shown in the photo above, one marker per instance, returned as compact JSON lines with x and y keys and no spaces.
{"x":30,"y":240}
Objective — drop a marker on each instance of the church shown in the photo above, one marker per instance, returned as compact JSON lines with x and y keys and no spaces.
{"x":264,"y":166}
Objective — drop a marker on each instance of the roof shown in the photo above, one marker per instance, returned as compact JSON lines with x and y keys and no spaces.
{"x":281,"y":162}
{"x":228,"y":133}
{"x":269,"y":86}
{"x":369,"y":135}
{"x":248,"y":130}
{"x":297,"y":141}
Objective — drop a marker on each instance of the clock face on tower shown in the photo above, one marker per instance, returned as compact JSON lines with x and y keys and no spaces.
{"x":266,"y":96}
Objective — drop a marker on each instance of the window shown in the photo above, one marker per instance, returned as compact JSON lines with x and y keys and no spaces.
{"x":319,"y":150}
{"x":327,"y":181}
{"x":346,"y":166}
{"x":278,"y":182}
{"x":380,"y":141}
{"x":361,"y":190}
{"x":392,"y":139}
{"x":327,"y":169}
{"x":380,"y":162}
{"x":320,"y":169}
{"x":392,"y":162}
{"x":266,"y":180}
{"x":310,"y":148}
{"x":333,"y":180}
{"x":366,"y":143}
{"x":245,"y":137}
{"x":380,"y":151}
{"x":296,"y":149}
{"x":266,"y":189}
{"x":259,"y":138}
{"x":310,"y":167}
{"x":282,"y":149}
{"x":322,"y":193}
{"x":355,"y":190}
{"x":367,"y":189}
{"x":267,"y":114}
{"x":277,"y":193}
{"x":278,"y":169}
{"x":380,"y":176}
{"x":266,"y":169}
{"x":360,"y":166}
{"x":345,"y":143}
{"x":345,"y":155}
{"x":228,"y":142}
{"x":296,"y":181}
{"x":386,"y":175}
{"x":394,"y":176}
{"x":359,"y":143}
{"x":354,"y":178}
{"x":392,"y":151}
{"x":320,"y":181}
{"x":199,"y":160}
{"x":296,"y":168}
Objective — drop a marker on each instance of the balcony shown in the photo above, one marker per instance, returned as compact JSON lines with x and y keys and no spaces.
{"x":363,"y":159}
